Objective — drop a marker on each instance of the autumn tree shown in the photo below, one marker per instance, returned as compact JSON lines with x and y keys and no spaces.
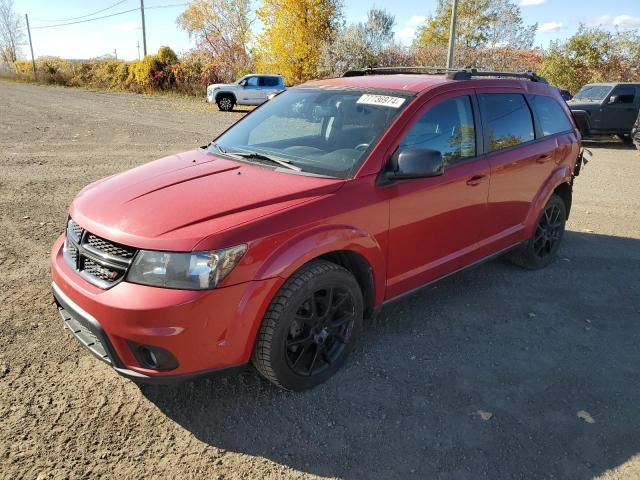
{"x":293,"y":36}
{"x":366,"y":44}
{"x":11,"y":32}
{"x":482,"y":27}
{"x":592,"y":55}
{"x":222,"y":30}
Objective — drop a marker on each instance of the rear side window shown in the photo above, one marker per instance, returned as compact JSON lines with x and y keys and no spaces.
{"x":447,"y":127}
{"x":269,"y":81}
{"x":507,"y":120}
{"x":550,"y":115}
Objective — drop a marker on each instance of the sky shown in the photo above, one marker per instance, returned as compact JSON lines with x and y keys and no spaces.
{"x":120,"y":34}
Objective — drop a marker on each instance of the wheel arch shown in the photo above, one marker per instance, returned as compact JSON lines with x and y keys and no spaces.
{"x":558,"y":182}
{"x":226,"y":94}
{"x":349,"y":247}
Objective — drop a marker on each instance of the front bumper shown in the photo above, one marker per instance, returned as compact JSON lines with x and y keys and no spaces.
{"x":204,"y":331}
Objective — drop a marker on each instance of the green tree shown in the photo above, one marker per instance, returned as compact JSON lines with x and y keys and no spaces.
{"x":592,"y":55}
{"x":293,"y":35}
{"x":222,"y":30}
{"x":482,"y":25}
{"x":365,"y":44}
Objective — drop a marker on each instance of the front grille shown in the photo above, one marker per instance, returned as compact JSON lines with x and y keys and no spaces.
{"x":99,"y":261}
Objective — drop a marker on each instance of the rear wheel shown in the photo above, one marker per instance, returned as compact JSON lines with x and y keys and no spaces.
{"x":542,"y":247}
{"x":310,"y":327}
{"x":225,"y":103}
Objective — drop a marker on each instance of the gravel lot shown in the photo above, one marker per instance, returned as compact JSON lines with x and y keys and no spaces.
{"x":481,"y":376}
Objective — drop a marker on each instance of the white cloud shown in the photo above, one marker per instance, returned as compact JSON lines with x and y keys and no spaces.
{"x":548,"y":27}
{"x":405,"y":35}
{"x":529,"y":3}
{"x":626,"y":21}
{"x":417,"y":20}
{"x":126,"y":26}
{"x":622,"y":21}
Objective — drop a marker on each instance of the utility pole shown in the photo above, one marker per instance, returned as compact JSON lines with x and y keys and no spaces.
{"x":33,"y":60}
{"x":144,"y":31}
{"x":452,"y":34}
{"x":115,"y":53}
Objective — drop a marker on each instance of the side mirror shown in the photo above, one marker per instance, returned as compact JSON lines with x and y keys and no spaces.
{"x":243,"y":83}
{"x":614,"y":99}
{"x":416,"y":163}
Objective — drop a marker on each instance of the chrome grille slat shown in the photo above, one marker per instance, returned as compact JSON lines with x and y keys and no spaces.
{"x":97,"y":260}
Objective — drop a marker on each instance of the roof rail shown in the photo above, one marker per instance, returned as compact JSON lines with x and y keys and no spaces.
{"x":396,"y":70}
{"x":467,"y":74}
{"x":451,"y":73}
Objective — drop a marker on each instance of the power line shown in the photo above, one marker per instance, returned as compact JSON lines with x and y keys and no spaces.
{"x":81,"y":16}
{"x":107,"y":16}
{"x":84,"y":21}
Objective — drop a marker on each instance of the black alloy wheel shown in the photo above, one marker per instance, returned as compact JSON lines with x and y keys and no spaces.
{"x":310,"y":326}
{"x":540,"y":250}
{"x":320,"y":330}
{"x":548,"y":231}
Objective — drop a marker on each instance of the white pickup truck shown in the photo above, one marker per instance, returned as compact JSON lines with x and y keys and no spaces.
{"x":251,"y":89}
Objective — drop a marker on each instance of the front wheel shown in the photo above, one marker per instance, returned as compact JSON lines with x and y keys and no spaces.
{"x":225,"y":103}
{"x":310,"y":327}
{"x":540,"y":250}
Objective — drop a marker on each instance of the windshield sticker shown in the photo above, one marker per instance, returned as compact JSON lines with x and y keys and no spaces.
{"x":381,"y":100}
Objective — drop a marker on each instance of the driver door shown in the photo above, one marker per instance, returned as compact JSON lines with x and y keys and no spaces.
{"x":250,"y":91}
{"x":439,"y":224}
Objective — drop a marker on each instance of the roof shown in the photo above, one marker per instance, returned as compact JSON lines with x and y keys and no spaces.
{"x":415,"y":83}
{"x":410,"y":83}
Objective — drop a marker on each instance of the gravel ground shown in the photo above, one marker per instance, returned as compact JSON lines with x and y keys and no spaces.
{"x":494,"y":373}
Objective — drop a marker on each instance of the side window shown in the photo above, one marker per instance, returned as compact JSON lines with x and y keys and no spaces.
{"x":252,"y":82}
{"x":268,"y":82}
{"x":624,"y":94}
{"x":551,"y":116}
{"x":447,"y":127}
{"x":506,"y":118}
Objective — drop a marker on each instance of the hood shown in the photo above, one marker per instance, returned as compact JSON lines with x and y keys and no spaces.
{"x":174,"y":202}
{"x":221,"y":85}
{"x":584,"y":104}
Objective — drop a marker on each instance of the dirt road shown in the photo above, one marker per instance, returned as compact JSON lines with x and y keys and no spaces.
{"x":482,"y":376}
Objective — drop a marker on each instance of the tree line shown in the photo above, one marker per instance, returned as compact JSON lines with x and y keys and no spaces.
{"x":307,"y":39}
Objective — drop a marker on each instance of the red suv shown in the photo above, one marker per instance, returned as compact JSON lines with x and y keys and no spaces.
{"x":272,"y":243}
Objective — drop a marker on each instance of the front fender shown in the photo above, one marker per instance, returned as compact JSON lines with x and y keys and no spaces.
{"x":562,"y":174}
{"x":306,"y":246}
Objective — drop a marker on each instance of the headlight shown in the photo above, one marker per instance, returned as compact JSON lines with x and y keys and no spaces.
{"x":187,"y":271}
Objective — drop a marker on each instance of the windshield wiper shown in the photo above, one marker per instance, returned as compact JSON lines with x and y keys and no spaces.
{"x":217,"y":147}
{"x":260,"y":156}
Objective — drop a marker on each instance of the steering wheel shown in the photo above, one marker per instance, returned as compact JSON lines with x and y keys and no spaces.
{"x":361,"y":146}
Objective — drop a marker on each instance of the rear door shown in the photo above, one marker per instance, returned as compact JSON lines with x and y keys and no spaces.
{"x":268,"y":85}
{"x":519,"y":164}
{"x":436,"y":224}
{"x":620,"y":115}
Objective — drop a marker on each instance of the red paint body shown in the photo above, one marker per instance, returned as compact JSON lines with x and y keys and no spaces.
{"x":409,"y":232}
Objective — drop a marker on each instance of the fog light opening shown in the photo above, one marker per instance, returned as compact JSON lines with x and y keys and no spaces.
{"x":148,"y":357}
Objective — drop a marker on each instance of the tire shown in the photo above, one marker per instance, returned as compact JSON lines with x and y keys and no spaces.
{"x":541,"y":249}
{"x":225,"y":102}
{"x":295,"y":349}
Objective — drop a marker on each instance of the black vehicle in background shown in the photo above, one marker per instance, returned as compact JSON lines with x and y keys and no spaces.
{"x":606,"y":109}
{"x":566,"y":95}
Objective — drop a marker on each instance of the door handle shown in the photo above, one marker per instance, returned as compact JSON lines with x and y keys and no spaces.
{"x":543,"y":158}
{"x":476,"y":180}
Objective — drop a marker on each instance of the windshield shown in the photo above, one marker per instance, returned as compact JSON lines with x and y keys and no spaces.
{"x":323,"y":132}
{"x":593,"y":92}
